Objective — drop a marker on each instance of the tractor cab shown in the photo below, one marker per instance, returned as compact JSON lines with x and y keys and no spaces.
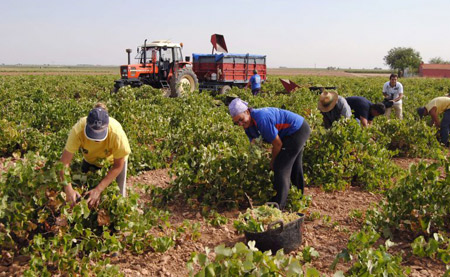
{"x":158,"y":64}
{"x":161,"y":55}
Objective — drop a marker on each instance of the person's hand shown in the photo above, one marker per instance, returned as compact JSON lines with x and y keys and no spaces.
{"x":71,"y":195}
{"x":94,"y":197}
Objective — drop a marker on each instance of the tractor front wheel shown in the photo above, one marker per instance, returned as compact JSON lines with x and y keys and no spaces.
{"x":224,"y":89}
{"x":185,"y":82}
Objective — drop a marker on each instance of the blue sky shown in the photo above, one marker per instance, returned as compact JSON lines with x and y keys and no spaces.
{"x":322,"y":33}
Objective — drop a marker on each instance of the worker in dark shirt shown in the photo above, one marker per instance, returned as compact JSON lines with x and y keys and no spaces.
{"x":363,"y":110}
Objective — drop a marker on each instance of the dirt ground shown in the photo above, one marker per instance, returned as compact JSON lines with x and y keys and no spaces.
{"x":327,"y":227}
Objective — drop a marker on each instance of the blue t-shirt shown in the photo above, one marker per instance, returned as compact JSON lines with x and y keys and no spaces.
{"x":361,"y":107}
{"x":255,"y":80}
{"x":270,"y":122}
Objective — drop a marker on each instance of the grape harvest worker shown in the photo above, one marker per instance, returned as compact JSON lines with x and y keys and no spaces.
{"x":332,"y":107}
{"x":393,"y":92}
{"x":287,"y":132}
{"x":255,"y":83}
{"x":437,"y":106}
{"x":363,"y":110}
{"x":98,"y":136}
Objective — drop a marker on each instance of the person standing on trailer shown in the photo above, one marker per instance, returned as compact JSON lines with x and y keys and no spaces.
{"x":287,"y":132}
{"x":99,"y":137}
{"x":255,"y":83}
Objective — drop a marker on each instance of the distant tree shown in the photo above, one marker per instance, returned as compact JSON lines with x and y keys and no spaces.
{"x":400,"y":58}
{"x":438,"y":60}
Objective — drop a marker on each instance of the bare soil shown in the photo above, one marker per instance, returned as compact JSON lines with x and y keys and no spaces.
{"x":330,"y":220}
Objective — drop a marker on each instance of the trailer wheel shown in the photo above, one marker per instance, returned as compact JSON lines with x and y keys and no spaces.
{"x":186,"y":82}
{"x":224,"y":89}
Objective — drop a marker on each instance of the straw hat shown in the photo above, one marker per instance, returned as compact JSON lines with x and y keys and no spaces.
{"x":327,"y":100}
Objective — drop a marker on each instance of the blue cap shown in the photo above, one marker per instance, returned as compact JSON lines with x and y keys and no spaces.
{"x":97,"y":124}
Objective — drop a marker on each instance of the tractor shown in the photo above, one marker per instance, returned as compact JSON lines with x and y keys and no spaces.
{"x":159,"y":64}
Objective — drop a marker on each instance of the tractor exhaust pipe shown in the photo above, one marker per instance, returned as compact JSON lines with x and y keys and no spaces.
{"x":145,"y":52}
{"x":129,"y":52}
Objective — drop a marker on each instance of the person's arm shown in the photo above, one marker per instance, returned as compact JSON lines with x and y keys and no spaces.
{"x":346,"y":111}
{"x":400,"y":96}
{"x":94,"y":194}
{"x":364,"y":121}
{"x":326,"y":121}
{"x":276,"y":147}
{"x":435,"y":117}
{"x":71,"y":194}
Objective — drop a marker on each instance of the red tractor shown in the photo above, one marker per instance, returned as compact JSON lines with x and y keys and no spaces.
{"x":161,"y":65}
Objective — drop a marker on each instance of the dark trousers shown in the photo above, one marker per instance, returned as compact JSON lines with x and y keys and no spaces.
{"x":256,"y":91}
{"x":288,"y":165}
{"x":445,"y":127}
{"x":120,"y":179}
{"x":87,"y":167}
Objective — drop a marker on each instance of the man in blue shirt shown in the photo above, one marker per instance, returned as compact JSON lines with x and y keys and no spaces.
{"x":363,"y":110}
{"x":255,"y":82}
{"x":287,"y":132}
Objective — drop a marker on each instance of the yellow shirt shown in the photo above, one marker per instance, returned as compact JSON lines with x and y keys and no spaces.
{"x":115,"y":146}
{"x":441,"y":103}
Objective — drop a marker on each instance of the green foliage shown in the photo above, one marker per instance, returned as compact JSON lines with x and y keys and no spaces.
{"x":308,"y":254}
{"x":436,"y":247}
{"x":297,"y":202}
{"x":370,"y":261}
{"x":349,"y":155}
{"x":219,"y":175}
{"x":216,"y":219}
{"x":212,"y":159}
{"x":410,"y":139}
{"x":378,"y":262}
{"x":241,"y":260}
{"x":438,"y":60}
{"x":35,"y":221}
{"x":418,"y":202}
{"x":403,"y":57}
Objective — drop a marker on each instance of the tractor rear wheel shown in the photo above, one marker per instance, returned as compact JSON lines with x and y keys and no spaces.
{"x":185,"y":82}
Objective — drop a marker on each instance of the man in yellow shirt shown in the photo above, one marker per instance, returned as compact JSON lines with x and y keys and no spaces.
{"x":99,"y":137}
{"x":434,"y":108}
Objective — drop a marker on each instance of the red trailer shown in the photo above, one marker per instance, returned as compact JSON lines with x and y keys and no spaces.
{"x":221,"y":72}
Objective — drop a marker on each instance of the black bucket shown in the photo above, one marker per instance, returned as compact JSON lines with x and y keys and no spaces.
{"x":286,"y":236}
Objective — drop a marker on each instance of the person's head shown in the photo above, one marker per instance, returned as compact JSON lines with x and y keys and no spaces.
{"x":377,"y":109}
{"x":422,"y":111}
{"x":97,"y":123}
{"x":255,"y":71}
{"x":240,"y":113}
{"x":393,"y":80}
{"x":327,"y":100}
